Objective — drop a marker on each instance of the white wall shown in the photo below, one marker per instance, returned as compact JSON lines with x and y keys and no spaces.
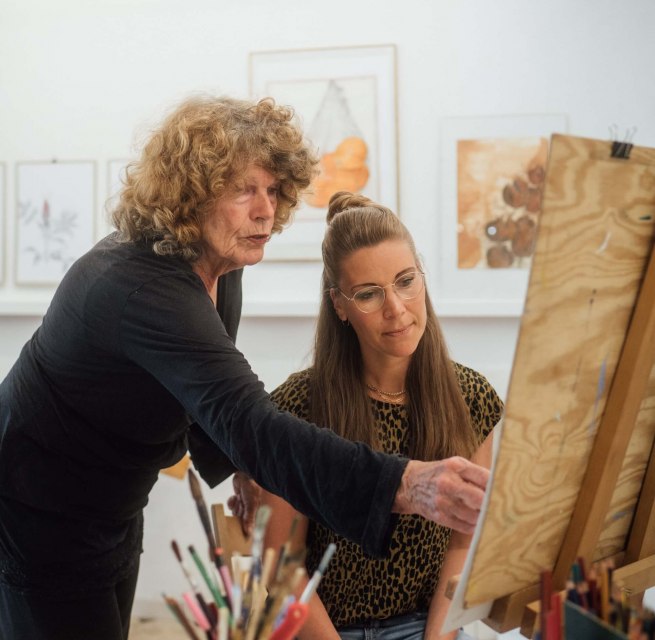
{"x":81,"y":80}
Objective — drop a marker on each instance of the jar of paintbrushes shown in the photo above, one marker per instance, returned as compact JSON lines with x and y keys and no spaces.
{"x":253,"y":600}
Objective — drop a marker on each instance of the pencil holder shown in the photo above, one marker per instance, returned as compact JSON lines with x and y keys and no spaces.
{"x":579,"y":624}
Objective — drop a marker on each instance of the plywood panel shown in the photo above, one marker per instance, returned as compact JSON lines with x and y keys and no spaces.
{"x":595,"y":237}
{"x":624,"y":499}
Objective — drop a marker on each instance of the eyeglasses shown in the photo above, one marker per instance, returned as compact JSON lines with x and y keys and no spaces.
{"x":370,"y":299}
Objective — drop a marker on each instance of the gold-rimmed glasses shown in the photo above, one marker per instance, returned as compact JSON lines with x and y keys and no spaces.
{"x":371,"y":298}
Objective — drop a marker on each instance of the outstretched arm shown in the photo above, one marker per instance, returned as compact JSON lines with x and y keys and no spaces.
{"x":446,"y":491}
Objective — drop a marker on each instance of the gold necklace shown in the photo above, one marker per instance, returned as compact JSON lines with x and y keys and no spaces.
{"x":387,"y":394}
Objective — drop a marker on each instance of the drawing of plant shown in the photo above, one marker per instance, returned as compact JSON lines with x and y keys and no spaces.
{"x":50,"y":236}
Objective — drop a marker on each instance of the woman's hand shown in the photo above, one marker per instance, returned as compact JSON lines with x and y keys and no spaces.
{"x":448,"y":491}
{"x":245,"y":501}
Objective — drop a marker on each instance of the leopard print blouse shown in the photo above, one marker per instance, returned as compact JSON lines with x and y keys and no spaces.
{"x":356,"y":587}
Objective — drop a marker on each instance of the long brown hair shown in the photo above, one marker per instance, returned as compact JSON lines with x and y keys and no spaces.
{"x":202,"y":148}
{"x":440,"y":424}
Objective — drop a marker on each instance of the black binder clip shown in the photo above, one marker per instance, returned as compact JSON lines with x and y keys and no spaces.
{"x":621,"y":150}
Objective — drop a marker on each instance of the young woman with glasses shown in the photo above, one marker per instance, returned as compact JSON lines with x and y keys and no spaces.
{"x":381,"y":374}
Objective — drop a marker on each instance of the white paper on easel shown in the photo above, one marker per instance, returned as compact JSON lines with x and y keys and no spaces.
{"x":458,"y":615}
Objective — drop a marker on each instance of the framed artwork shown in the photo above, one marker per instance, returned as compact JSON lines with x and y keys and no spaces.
{"x":493,"y":170}
{"x":345,"y":100}
{"x":115,"y":175}
{"x":3,"y":192}
{"x":55,"y":205}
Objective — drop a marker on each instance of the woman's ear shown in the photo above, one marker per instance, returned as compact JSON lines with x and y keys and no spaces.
{"x":337,"y":303}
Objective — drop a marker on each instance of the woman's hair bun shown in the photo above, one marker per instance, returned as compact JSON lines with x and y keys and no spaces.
{"x":342,"y":200}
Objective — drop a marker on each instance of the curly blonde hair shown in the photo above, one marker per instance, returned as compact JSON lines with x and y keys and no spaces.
{"x":204,"y":146}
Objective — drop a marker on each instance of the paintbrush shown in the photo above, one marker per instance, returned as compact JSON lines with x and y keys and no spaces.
{"x":185,"y":570}
{"x":196,"y":492}
{"x":224,"y":573}
{"x":179,"y":615}
{"x":218,"y":597}
{"x":312,"y":585}
{"x":285,"y":549}
{"x":223,"y":624}
{"x":209,"y":614}
{"x":237,"y":593}
{"x":259,"y":597}
{"x":214,"y":554}
{"x":261,"y":520}
{"x":298,"y":611}
{"x":203,"y":622}
{"x":276,"y":600}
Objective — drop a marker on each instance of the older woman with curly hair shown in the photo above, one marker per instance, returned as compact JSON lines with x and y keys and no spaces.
{"x":135,"y":363}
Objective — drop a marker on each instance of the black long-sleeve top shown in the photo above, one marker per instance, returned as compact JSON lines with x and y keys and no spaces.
{"x":130,"y":353}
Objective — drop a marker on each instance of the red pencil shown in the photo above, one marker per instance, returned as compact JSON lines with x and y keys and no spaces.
{"x":546,"y":591}
{"x":555,"y":617}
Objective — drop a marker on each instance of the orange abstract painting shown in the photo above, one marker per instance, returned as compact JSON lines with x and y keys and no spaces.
{"x":344,"y":151}
{"x":343,"y":169}
{"x":344,"y":98}
{"x":499,"y":186}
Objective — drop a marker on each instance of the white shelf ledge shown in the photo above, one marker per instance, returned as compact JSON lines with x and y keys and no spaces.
{"x":36,"y":306}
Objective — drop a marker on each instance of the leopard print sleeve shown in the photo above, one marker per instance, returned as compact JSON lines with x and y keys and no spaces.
{"x":485,"y":405}
{"x":293,"y":394}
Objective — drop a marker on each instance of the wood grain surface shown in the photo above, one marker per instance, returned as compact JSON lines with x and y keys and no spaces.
{"x":594,"y":241}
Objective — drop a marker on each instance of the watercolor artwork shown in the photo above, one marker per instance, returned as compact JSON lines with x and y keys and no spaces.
{"x":345,"y":148}
{"x":340,"y":120}
{"x":54,"y":218}
{"x":345,"y":101}
{"x":493,"y":170}
{"x":499,"y":186}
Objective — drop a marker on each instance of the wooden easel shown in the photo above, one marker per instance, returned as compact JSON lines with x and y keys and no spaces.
{"x":636,"y":563}
{"x":575,"y":475}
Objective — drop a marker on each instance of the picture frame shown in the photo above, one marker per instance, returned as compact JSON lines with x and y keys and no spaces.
{"x":55,"y":218}
{"x":3,"y":221}
{"x":115,"y":173}
{"x":345,"y":99}
{"x":492,"y":169}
